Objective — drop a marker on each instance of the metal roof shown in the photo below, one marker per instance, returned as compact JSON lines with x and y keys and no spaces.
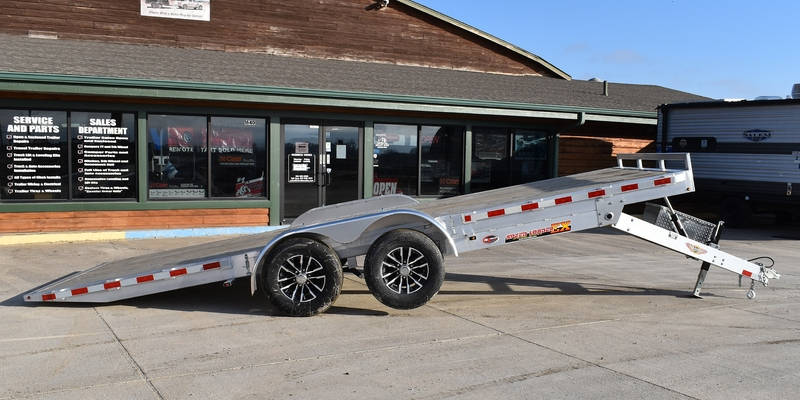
{"x":193,"y":68}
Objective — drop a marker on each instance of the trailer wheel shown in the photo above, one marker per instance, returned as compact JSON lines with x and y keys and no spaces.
{"x":303,"y":277}
{"x":404,"y":269}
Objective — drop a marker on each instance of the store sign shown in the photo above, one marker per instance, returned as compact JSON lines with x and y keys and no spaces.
{"x":198,"y":10}
{"x":34,"y":156}
{"x":45,"y":158}
{"x":302,"y":168}
{"x":103,"y":158}
{"x":382,"y":186}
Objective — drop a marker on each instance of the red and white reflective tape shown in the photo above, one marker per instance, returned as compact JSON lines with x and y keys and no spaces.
{"x":556,"y":201}
{"x":120,"y":283}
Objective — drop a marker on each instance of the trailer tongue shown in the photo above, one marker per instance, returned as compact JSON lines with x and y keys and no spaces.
{"x":300,"y":267}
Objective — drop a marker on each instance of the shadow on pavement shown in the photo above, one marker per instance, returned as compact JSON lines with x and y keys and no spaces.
{"x":503,"y":286}
{"x":236,"y":299}
{"x":208,"y":298}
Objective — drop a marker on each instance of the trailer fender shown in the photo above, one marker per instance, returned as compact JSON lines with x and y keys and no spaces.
{"x":351,"y":230}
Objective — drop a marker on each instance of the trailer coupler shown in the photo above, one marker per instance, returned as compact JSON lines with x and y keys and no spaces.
{"x":767,"y":273}
{"x":708,"y":253}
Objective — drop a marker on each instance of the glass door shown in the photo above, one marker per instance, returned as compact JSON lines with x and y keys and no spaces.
{"x":342,"y":164}
{"x":321,"y":166}
{"x":301,"y":189}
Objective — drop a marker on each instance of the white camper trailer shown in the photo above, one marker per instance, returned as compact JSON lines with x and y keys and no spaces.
{"x":746,"y":154}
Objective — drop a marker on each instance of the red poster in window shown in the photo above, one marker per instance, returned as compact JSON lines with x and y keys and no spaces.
{"x":229,"y":140}
{"x":185,"y":137}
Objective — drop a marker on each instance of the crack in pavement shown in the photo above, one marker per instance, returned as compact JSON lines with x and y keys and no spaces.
{"x":128,"y":355}
{"x":500,"y":331}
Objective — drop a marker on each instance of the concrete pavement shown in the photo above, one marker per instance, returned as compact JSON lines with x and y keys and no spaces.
{"x":583,"y":315}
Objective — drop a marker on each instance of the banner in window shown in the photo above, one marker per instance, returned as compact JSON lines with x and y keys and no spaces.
{"x":34,"y":155}
{"x":103,"y":155}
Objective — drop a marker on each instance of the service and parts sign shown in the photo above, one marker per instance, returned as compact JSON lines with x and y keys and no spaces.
{"x":558,"y":227}
{"x":198,"y":10}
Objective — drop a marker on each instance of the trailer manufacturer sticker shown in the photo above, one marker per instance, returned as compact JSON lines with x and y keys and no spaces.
{"x":696,"y":249}
{"x":558,"y":227}
{"x":757,"y":135}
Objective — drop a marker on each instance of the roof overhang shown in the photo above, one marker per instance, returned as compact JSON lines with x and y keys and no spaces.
{"x":183,"y":90}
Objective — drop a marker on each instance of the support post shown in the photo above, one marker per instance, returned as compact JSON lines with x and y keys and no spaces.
{"x":701,"y":277}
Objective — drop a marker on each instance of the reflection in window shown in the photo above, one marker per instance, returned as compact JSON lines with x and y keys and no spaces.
{"x":177,"y":152}
{"x":238,"y":157}
{"x":508,"y":156}
{"x":489,"y":159}
{"x":442,"y":154}
{"x":395,"y":159}
{"x":529,"y":157}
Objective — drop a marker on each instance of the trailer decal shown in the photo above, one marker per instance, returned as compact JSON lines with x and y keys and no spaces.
{"x":490,"y":239}
{"x":695,"y":249}
{"x":558,"y":227}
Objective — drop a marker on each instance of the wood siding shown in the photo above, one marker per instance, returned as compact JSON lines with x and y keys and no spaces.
{"x":585,"y":153}
{"x":31,"y":222}
{"x":339,"y":29}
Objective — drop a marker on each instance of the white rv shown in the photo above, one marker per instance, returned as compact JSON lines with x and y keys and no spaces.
{"x":746,"y":154}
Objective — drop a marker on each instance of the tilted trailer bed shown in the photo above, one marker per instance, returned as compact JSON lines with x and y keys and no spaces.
{"x":300,"y":267}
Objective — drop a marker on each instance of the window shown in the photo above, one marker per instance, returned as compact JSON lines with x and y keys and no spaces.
{"x":507,"y":156}
{"x":63,"y":155}
{"x":529,"y":157}
{"x":238,"y":157}
{"x":179,"y":157}
{"x":418,"y":159}
{"x":442,"y":149}
{"x":395,"y":159}
{"x":489,"y":159}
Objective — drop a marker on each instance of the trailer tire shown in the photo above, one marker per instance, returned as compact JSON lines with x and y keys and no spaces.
{"x":303,"y":277}
{"x":404,"y":261}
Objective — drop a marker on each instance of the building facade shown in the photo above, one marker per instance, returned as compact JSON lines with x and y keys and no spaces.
{"x":172,"y":114}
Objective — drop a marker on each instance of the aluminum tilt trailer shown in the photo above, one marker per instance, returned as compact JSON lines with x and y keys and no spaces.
{"x":300,"y":267}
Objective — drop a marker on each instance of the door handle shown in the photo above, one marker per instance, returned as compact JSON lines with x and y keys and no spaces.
{"x":327,"y":176}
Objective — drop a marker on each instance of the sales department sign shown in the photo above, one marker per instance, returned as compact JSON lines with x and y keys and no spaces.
{"x":198,"y":10}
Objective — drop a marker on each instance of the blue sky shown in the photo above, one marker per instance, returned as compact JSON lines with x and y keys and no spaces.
{"x":719,"y":49}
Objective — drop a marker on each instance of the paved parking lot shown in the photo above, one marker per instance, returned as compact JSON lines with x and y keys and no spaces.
{"x":583,"y":315}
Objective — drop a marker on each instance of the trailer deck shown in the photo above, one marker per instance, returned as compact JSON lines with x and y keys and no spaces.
{"x":290,"y":259}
